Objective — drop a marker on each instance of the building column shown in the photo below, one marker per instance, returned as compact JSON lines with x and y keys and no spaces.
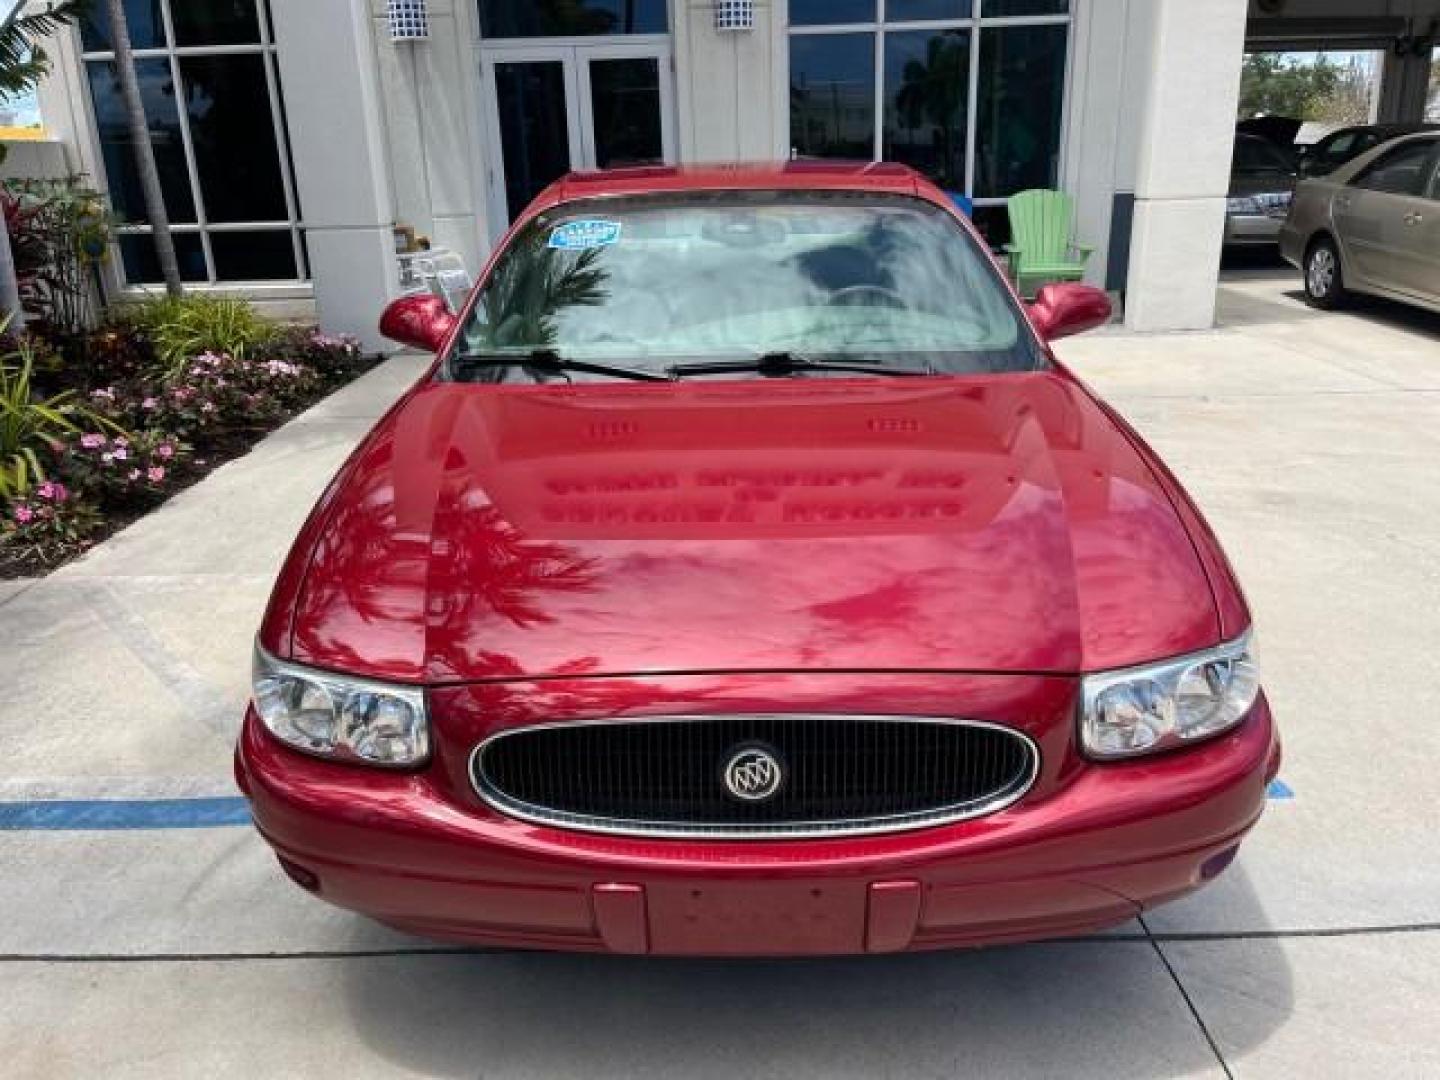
{"x":1404,"y":88}
{"x":432,"y":114}
{"x":1187,"y":134}
{"x":730,"y":84}
{"x":337,"y":139}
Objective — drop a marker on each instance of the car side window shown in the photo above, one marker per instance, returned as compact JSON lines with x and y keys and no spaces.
{"x":1432,"y":189}
{"x":1400,"y":172}
{"x":1337,"y":150}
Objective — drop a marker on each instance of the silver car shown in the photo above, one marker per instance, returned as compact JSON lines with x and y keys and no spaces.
{"x":1262,"y":178}
{"x":1371,"y":226}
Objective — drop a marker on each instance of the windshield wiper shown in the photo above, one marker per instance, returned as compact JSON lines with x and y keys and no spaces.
{"x":780,"y":364}
{"x":552,"y":363}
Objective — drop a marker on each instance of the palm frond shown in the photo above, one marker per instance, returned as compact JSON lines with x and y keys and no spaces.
{"x":23,"y":62}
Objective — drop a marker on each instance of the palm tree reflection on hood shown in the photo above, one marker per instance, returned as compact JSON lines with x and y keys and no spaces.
{"x":491,"y":568}
{"x":471,"y":573}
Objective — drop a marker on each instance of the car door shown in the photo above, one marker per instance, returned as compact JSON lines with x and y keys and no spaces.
{"x":1375,"y":218}
{"x":1419,"y":258}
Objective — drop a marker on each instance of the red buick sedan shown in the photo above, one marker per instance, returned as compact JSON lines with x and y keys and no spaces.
{"x":748,"y":577}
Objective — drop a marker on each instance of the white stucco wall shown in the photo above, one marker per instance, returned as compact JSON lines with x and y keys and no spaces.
{"x":1182,"y":170}
{"x":338,"y":143}
{"x":432,"y":118}
{"x":726,"y":83}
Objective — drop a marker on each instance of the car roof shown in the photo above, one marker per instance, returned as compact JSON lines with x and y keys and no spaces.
{"x":1415,"y":128}
{"x":861,"y":176}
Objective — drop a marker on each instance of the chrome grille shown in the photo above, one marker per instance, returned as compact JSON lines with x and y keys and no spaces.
{"x":842,"y":774}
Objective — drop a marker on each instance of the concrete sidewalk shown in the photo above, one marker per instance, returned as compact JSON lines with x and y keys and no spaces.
{"x":1310,"y":441}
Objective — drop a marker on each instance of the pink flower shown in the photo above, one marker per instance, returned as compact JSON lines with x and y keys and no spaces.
{"x":165,"y":451}
{"x":92,"y":442}
{"x":121,"y":453}
{"x":53,"y":492}
{"x":24,"y":515}
{"x":149,"y":403}
{"x":156,"y":474}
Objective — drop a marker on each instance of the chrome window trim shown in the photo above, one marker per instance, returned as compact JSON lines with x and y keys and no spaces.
{"x":803,"y":830}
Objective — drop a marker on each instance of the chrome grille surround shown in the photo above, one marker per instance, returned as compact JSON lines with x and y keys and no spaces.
{"x":988,"y":802}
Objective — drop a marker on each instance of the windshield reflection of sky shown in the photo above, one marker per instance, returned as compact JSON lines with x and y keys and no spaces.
{"x":740,"y":280}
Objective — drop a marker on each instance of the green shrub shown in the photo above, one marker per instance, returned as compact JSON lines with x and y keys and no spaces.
{"x":182,"y":328}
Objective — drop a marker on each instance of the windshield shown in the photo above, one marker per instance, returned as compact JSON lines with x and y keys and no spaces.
{"x":656,"y":281}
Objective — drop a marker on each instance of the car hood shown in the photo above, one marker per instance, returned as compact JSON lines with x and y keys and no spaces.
{"x":995,"y":524}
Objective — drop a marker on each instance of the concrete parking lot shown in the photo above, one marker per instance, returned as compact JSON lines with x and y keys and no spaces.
{"x":1310,"y":440}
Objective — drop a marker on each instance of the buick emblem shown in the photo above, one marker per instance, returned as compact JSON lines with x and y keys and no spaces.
{"x":753,"y":773}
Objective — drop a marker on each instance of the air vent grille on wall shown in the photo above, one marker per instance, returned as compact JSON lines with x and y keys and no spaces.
{"x":734,"y":14}
{"x":409,"y":20}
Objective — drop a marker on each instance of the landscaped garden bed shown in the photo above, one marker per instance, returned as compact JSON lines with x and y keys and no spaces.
{"x":97,"y":435}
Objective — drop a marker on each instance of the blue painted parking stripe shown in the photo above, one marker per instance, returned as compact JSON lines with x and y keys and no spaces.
{"x":101,"y":814}
{"x":1278,"y":789}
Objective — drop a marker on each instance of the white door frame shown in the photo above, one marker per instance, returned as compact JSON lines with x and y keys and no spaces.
{"x":498,"y":202}
{"x":626,"y":50}
{"x":574,"y":55}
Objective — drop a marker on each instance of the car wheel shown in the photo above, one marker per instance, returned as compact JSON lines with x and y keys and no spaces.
{"x":1324,"y":283}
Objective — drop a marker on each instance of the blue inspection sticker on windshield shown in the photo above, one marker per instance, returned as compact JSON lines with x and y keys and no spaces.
{"x":585,"y":234}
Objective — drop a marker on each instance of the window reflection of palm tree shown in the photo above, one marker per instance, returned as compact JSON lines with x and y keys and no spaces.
{"x":933,"y":92}
{"x":529,"y":289}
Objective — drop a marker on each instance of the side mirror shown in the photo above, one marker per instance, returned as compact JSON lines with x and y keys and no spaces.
{"x":422,"y":322}
{"x":1061,"y":310}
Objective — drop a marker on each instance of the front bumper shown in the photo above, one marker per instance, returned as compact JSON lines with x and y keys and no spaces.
{"x":1110,"y":842}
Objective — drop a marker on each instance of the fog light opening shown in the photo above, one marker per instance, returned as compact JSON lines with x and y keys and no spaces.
{"x":306,"y":879}
{"x":1214,"y":866}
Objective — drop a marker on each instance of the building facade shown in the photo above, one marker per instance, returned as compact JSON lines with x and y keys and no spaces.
{"x":295,"y":136}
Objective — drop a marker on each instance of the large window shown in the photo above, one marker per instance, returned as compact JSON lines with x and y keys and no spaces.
{"x":969,"y":92}
{"x":212,"y":100}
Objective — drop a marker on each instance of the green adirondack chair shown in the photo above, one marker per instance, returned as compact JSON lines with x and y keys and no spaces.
{"x":1041,"y":250}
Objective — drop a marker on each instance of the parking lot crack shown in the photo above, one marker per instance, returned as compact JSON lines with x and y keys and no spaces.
{"x":1189,"y":1001}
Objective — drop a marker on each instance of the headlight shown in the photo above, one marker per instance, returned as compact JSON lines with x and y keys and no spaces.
{"x":339,"y":717}
{"x":1144,"y":710}
{"x":1243,"y":204}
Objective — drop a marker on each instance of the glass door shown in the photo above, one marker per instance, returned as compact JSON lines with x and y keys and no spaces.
{"x":534,"y":124}
{"x":556,"y":108}
{"x":626,"y":118}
